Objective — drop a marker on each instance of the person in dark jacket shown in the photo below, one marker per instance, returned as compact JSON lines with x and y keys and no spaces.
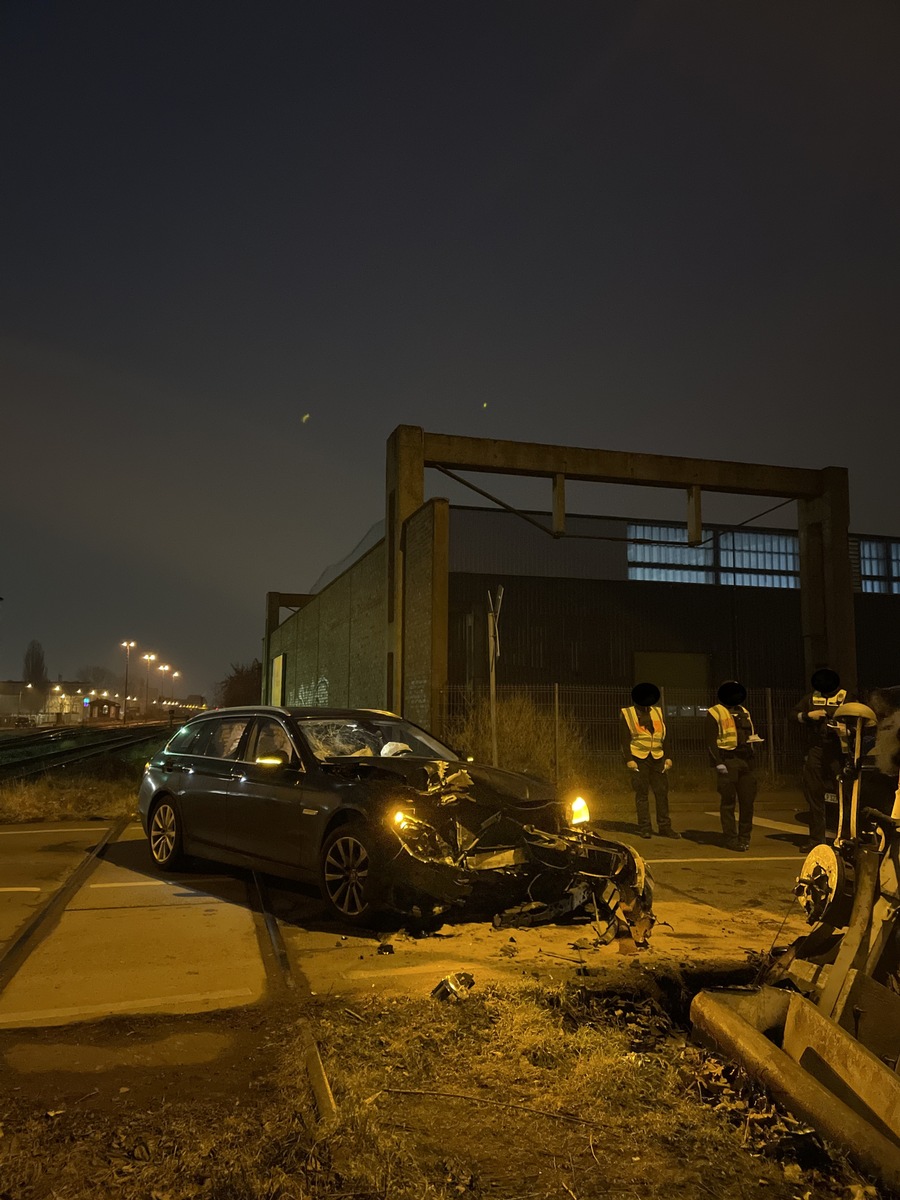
{"x":645,"y":748}
{"x":823,"y":762}
{"x":730,"y":740}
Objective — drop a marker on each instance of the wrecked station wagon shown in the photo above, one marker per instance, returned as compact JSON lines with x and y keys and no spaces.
{"x":385,"y":818}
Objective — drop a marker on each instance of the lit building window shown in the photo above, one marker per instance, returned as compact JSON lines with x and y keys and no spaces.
{"x":758,"y":579}
{"x":671,"y":575}
{"x":759,"y":551}
{"x":668,"y":557}
{"x":879,"y":565}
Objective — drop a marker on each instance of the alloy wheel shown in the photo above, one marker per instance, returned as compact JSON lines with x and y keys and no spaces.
{"x":346,"y":874}
{"x":163,"y":832}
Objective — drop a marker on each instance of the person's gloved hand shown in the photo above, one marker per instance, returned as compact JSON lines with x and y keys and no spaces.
{"x":631,"y":764}
{"x":667,"y":765}
{"x":721,"y":768}
{"x":817,"y":714}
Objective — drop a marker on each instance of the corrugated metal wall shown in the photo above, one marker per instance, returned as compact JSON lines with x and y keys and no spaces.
{"x":579,"y":631}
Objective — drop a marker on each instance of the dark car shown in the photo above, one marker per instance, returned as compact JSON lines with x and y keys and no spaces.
{"x":382,"y":816}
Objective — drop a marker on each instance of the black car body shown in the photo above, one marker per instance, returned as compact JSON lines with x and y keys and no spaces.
{"x":383,"y":816}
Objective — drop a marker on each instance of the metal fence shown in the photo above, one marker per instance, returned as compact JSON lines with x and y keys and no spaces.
{"x":594,"y":713}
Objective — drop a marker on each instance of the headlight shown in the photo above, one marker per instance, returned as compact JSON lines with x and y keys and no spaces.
{"x":579,"y":811}
{"x":402,"y":818}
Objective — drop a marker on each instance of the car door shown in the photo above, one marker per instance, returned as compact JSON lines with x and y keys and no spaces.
{"x":266,"y":797}
{"x":201,"y":781}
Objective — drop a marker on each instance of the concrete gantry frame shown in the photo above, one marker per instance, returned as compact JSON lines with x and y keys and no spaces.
{"x":823,"y":507}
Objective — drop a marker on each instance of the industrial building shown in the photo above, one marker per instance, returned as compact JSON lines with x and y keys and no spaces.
{"x":588,"y":600}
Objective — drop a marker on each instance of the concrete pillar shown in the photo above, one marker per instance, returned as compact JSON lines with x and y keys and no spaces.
{"x":826,"y":579}
{"x":404,"y":493}
{"x":440,"y":611}
{"x":275,"y":601}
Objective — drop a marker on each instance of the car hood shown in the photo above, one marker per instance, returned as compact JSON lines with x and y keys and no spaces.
{"x":441,"y":778}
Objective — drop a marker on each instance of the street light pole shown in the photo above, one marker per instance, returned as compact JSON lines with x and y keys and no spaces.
{"x":127,"y":647}
{"x":148,"y":659}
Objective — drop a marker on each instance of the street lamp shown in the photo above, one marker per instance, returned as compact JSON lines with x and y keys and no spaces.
{"x":164,"y":667}
{"x":148,"y":659}
{"x":175,"y":675}
{"x":127,"y":647}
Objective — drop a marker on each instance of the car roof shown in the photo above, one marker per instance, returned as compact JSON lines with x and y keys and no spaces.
{"x":250,"y":710}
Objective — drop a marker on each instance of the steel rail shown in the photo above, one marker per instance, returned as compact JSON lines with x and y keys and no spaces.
{"x":57,"y":759}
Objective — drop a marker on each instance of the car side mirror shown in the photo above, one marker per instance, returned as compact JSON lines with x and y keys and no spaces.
{"x":274,"y":761}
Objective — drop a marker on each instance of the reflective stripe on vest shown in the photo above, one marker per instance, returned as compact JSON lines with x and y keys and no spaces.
{"x":643,"y":742}
{"x":829,"y":701}
{"x":726,"y":738}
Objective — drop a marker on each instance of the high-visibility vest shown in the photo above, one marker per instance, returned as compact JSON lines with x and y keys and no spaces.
{"x":727,"y":738}
{"x":643,"y":741}
{"x":819,"y":701}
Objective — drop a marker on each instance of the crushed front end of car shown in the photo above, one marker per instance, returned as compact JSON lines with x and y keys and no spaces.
{"x":505,"y":846}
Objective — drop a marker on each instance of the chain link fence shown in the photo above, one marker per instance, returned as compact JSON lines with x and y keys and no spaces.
{"x":590,"y":716}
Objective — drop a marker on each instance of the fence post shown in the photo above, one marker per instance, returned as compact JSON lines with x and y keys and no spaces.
{"x":770,"y":730}
{"x":556,"y":733}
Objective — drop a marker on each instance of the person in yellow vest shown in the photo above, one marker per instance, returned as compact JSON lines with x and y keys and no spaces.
{"x":823,"y":761}
{"x":645,"y":746}
{"x":730,"y":739}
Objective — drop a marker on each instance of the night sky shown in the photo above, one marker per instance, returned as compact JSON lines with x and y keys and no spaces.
{"x":666,"y":227}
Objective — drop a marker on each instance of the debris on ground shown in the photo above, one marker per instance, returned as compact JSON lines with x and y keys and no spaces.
{"x":454,"y":987}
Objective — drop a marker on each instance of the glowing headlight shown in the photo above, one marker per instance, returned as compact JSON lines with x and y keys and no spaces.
{"x":401,"y":818}
{"x":579,"y":811}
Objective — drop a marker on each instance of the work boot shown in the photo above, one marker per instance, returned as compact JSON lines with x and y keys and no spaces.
{"x":670,"y":833}
{"x":743,"y":844}
{"x":732,"y":844}
{"x":646,"y":833}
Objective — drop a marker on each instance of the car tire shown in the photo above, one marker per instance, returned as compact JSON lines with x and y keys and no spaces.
{"x":164,"y":835}
{"x":350,"y":874}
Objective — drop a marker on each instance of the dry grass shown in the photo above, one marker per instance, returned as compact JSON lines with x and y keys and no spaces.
{"x":526,"y":739}
{"x":435,"y":1101}
{"x":110,"y":791}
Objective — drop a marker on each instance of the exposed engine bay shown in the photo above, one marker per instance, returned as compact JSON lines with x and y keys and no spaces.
{"x":503,"y":844}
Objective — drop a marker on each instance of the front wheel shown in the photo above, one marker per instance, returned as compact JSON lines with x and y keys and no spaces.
{"x":350,"y":873}
{"x":164,"y":832}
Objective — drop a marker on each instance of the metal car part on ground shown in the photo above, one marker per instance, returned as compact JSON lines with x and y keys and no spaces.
{"x":824,"y":1030}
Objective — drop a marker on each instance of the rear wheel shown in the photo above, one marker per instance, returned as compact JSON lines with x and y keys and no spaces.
{"x":164,"y":832}
{"x":350,"y":875}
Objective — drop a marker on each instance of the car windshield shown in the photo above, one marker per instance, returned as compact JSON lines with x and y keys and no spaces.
{"x":369,"y":737}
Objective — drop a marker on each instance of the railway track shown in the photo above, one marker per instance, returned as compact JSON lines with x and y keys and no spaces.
{"x":23,"y":758}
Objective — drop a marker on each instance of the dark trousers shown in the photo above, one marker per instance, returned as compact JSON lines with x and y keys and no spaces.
{"x":737,"y":787}
{"x":650,"y":774}
{"x":820,"y":770}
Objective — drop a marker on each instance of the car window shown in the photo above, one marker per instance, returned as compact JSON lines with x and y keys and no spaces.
{"x":368,"y":737}
{"x":270,"y":737}
{"x":225,"y":737}
{"x":188,"y":738}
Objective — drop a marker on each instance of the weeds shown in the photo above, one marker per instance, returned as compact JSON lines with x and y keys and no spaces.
{"x":526,"y":739}
{"x":513,"y":1093}
{"x":104,"y":794}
